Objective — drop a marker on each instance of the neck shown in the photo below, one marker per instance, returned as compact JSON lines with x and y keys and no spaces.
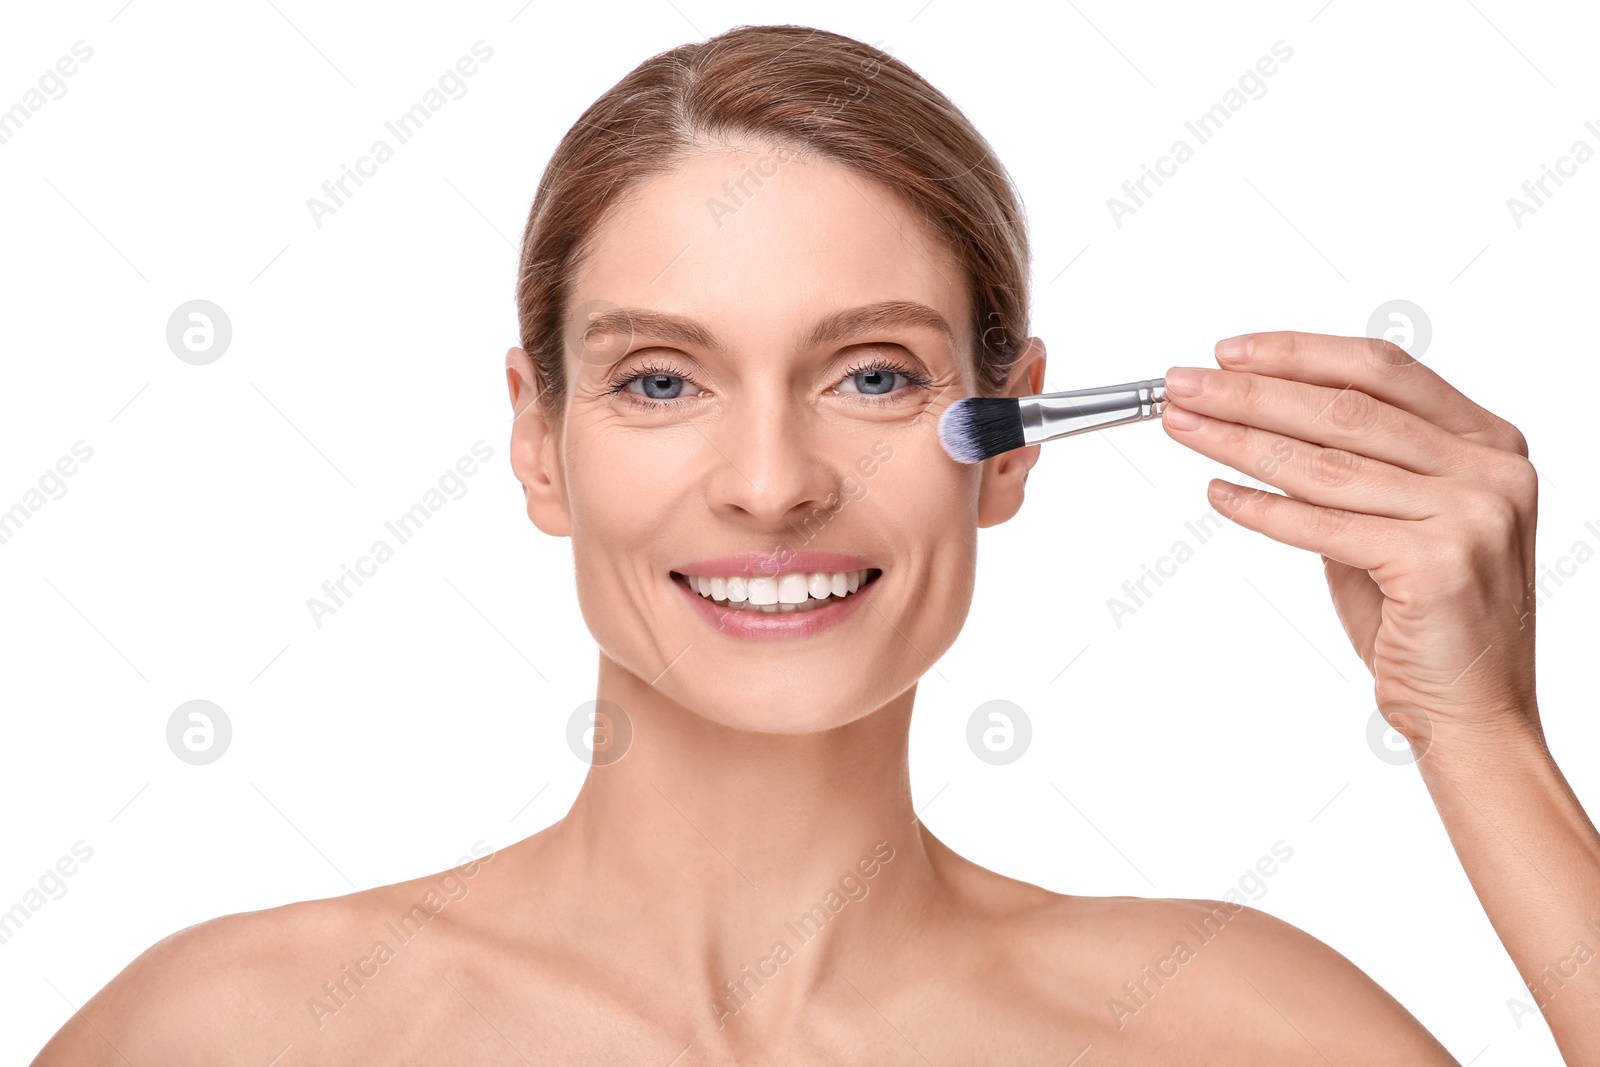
{"x":752,"y":864}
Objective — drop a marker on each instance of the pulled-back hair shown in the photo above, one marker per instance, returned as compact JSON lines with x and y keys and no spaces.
{"x":808,"y":91}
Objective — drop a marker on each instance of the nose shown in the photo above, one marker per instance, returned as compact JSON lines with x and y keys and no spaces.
{"x":777,"y":465}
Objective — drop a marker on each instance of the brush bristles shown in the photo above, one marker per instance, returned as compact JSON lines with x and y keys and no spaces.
{"x":978,"y":427}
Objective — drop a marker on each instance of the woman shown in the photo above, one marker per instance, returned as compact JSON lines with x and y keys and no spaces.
{"x":755,"y":272}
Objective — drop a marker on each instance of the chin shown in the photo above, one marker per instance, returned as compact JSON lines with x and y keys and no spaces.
{"x":780,"y":712}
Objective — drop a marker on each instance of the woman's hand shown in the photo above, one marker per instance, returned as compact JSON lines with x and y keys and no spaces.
{"x":1421,"y":503}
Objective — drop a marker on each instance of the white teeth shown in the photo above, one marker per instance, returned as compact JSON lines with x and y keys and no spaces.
{"x":797,"y":591}
{"x":792,"y":588}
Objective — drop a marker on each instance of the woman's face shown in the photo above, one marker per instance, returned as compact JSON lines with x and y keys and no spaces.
{"x":767,"y":405}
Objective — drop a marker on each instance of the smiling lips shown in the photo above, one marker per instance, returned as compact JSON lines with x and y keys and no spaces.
{"x":747,"y":594}
{"x":795,"y":591}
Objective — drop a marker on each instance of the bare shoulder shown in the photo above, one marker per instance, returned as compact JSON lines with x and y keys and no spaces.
{"x":1191,"y":980}
{"x":245,"y":988}
{"x":216,"y":992}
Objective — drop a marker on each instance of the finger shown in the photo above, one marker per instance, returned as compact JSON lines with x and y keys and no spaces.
{"x":1359,"y":603}
{"x":1361,"y":541}
{"x":1338,"y":418}
{"x":1378,"y":368}
{"x":1331,"y":477}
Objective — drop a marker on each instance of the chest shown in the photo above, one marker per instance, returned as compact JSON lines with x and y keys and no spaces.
{"x":436,"y":1016}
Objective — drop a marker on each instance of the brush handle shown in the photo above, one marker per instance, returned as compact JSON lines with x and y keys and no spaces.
{"x":1051,"y":415}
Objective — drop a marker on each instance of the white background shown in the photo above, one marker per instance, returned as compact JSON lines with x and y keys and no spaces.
{"x":1227,"y":713}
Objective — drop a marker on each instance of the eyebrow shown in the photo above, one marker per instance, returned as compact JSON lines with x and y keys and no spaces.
{"x":838,"y":326}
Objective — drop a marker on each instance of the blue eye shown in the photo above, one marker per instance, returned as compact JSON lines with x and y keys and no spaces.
{"x":874,"y":381}
{"x":661,"y":386}
{"x":883,"y":380}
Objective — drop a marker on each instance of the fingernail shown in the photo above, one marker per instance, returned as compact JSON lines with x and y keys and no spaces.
{"x":1185,"y":381}
{"x":1182,"y":418}
{"x":1235,"y":349}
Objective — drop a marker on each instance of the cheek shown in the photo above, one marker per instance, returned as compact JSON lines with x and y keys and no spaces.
{"x":622,"y":492}
{"x":929,"y":504}
{"x":618,"y":482}
{"x":625,"y":492}
{"x":922,"y":489}
{"x":926,"y":506}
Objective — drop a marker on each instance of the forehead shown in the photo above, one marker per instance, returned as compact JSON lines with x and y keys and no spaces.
{"x":759,"y":244}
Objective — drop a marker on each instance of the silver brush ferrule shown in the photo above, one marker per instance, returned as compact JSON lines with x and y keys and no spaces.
{"x":1050,"y":415}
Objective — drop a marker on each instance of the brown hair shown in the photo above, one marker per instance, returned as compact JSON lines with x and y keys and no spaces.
{"x":821,"y":92}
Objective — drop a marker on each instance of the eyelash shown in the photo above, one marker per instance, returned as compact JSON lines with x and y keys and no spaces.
{"x":917,"y":381}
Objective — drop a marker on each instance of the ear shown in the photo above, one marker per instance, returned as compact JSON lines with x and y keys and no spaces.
{"x":1000,"y":495}
{"x":534,"y":456}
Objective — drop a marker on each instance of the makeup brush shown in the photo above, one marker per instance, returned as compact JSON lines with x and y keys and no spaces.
{"x":977,"y":428}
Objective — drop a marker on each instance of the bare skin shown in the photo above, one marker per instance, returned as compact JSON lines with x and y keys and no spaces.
{"x":762,"y":777}
{"x":987,"y":970}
